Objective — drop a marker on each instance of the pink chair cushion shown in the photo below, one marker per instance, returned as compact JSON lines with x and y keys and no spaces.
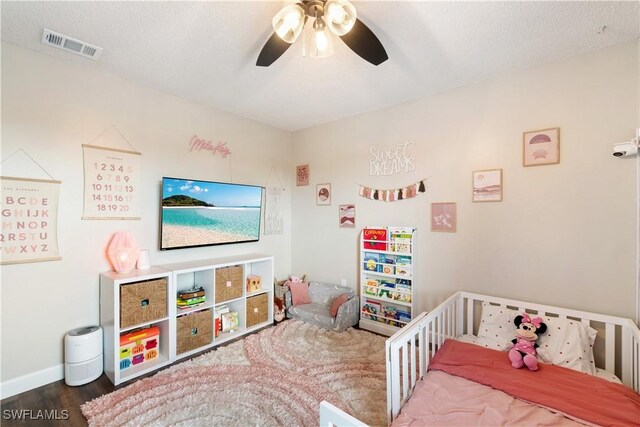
{"x":299,"y":292}
{"x":336,"y":303}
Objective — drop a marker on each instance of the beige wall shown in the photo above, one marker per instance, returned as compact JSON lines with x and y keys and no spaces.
{"x":564,"y":234}
{"x":50,"y":108}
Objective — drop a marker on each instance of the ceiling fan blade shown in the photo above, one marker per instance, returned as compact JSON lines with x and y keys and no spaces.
{"x":362,"y":41}
{"x":272,"y":50}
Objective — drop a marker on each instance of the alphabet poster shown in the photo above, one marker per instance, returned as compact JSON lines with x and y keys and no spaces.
{"x":29,"y":220}
{"x":111,"y":183}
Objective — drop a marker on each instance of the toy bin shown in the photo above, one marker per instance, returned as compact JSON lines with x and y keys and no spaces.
{"x":194,"y":330}
{"x":139,"y":346}
{"x":229,"y":282}
{"x":143,"y":302}
{"x":257,"y":309}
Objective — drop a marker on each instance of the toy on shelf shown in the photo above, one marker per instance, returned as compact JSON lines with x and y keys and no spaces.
{"x":230,"y":321}
{"x":139,"y":346}
{"x":189,"y":298}
{"x":254,"y":283}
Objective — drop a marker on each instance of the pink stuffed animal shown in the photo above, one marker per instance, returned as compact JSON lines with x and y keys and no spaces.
{"x":524,"y":350}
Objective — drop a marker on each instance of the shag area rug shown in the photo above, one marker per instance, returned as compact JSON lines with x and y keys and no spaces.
{"x":276,"y":377}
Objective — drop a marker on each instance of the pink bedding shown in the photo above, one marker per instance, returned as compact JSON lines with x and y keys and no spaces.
{"x":570,"y":392}
{"x":446,"y":400}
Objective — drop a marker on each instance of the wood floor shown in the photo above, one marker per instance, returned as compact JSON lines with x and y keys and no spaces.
{"x":57,"y":397}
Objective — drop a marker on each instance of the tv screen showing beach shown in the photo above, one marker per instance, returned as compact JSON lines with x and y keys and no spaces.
{"x":203,"y":213}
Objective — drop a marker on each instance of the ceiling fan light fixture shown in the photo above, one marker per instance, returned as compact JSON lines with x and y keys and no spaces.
{"x":340,"y":16}
{"x":318,"y":42}
{"x":288,"y":22}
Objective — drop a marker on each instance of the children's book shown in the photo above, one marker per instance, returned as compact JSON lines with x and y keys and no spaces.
{"x":371,"y":261}
{"x":399,"y":296}
{"x":385,"y":293}
{"x":390,"y":313}
{"x":374,"y":238}
{"x":388,"y":266}
{"x":403,"y":316}
{"x":403,"y":267}
{"x":400,"y":239}
{"x":371,"y":309}
{"x":403,"y":285}
{"x":372,"y":282}
{"x":370,"y":290}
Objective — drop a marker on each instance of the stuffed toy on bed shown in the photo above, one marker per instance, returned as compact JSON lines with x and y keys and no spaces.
{"x":524,"y":348}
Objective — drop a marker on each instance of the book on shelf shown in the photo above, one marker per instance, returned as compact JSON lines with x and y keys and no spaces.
{"x":371,"y":261}
{"x":374,"y":238}
{"x":391,"y":314}
{"x":400,"y":239}
{"x":218,"y":311}
{"x":403,"y":285}
{"x":372,"y":282}
{"x":385,"y":293}
{"x":401,"y":297}
{"x":388,"y":267}
{"x":403,"y":316}
{"x":371,"y":309}
{"x":371,"y":291}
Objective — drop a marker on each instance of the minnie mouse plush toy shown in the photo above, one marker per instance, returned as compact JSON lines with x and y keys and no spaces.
{"x":524,"y":349}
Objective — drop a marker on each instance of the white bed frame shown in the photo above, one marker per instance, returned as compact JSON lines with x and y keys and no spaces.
{"x":409,"y":350}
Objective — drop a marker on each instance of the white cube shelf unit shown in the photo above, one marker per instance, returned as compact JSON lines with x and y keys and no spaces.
{"x":388,"y":278}
{"x":182,"y":276}
{"x":111,"y":322}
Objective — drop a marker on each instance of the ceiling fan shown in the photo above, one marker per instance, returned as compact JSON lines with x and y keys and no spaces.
{"x":326,"y":17}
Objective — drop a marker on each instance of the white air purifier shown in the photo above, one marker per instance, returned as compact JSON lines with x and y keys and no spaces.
{"x":83,"y":355}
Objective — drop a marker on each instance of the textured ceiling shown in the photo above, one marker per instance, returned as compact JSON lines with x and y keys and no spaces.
{"x":206,"y":51}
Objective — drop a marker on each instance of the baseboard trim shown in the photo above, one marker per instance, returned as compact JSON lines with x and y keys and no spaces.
{"x":30,"y":381}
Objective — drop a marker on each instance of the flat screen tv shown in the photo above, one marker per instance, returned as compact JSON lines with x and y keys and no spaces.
{"x":204,"y":213}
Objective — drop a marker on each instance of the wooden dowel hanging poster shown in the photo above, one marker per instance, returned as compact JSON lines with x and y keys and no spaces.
{"x":29,"y":220}
{"x":111,"y":183}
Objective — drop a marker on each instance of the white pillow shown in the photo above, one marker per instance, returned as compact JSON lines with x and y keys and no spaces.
{"x":483,"y":342}
{"x":566,"y":343}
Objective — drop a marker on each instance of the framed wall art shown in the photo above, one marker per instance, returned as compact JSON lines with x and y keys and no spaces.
{"x":347,"y":216}
{"x":302,"y":175}
{"x":443,"y":217}
{"x":541,"y":147}
{"x":487,"y":185}
{"x":323,"y":194}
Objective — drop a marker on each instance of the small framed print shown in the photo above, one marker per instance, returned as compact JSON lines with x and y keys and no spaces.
{"x":347,"y":216}
{"x":541,"y":147}
{"x":323,"y":194}
{"x":487,"y":185}
{"x":443,"y":217}
{"x":302,"y":175}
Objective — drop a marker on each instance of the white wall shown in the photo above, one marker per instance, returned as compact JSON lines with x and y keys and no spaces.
{"x":564,"y":234}
{"x":49,"y":109}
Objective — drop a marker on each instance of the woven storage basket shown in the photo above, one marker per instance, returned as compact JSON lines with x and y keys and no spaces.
{"x":194,"y":330}
{"x":143,"y":302}
{"x":257,"y":309}
{"x":229,"y":283}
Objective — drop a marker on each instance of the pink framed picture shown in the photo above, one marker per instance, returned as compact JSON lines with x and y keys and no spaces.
{"x":487,"y":185}
{"x":443,"y":217}
{"x":323,"y":194}
{"x":541,"y":147}
{"x":302,"y":175}
{"x":347,"y":216}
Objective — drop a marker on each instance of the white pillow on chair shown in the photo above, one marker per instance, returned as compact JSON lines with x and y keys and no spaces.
{"x":566,"y":343}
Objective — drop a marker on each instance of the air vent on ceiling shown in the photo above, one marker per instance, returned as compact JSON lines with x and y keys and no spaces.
{"x":70,"y":44}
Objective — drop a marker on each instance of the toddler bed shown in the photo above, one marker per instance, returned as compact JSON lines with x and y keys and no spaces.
{"x":437,"y":376}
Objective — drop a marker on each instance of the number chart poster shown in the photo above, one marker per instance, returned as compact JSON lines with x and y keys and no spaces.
{"x":111,"y":183}
{"x":29,"y":220}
